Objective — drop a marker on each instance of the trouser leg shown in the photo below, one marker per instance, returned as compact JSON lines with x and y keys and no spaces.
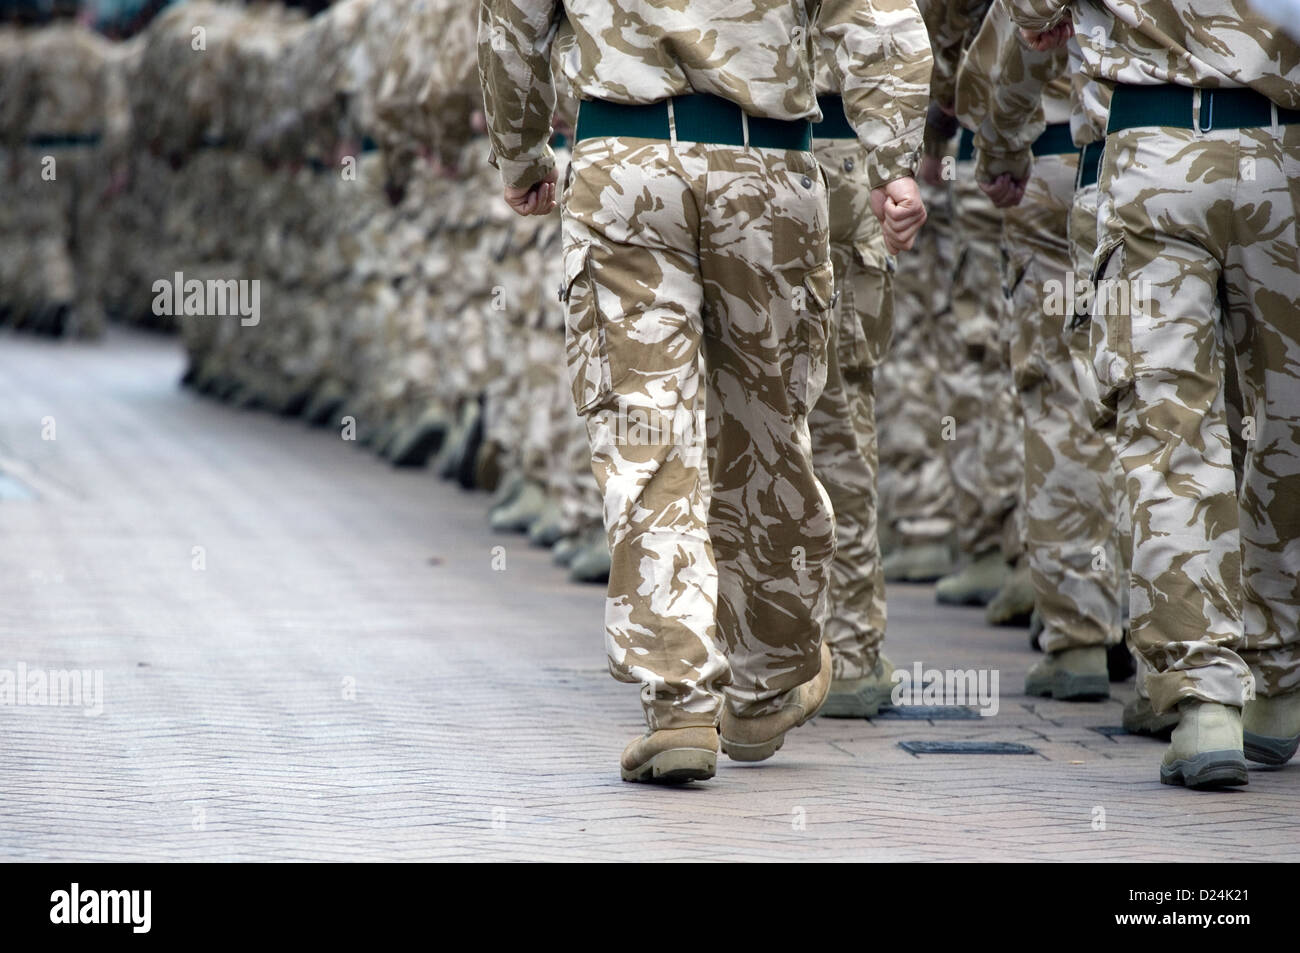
{"x":764,"y":259}
{"x":1069,"y":493}
{"x":1158,"y":334}
{"x":1262,"y":279}
{"x":635,"y":295}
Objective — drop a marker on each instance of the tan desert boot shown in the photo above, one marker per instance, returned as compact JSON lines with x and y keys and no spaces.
{"x":672,"y":756}
{"x":1206,"y":748}
{"x":1271,"y":728}
{"x":757,"y":739}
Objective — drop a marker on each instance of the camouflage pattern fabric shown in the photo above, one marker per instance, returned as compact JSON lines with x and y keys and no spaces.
{"x":915,"y":490}
{"x":764,"y":60}
{"x":64,"y":123}
{"x":981,"y":426}
{"x":1152,"y":42}
{"x":689,"y":247}
{"x":1009,"y":93}
{"x":1070,"y":470}
{"x":1208,"y":271}
{"x":718,"y":257}
{"x":843,"y":421}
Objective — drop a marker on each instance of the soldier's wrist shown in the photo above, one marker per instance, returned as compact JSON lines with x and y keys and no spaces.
{"x":881,"y":173}
{"x":524,"y":173}
{"x":991,"y":163}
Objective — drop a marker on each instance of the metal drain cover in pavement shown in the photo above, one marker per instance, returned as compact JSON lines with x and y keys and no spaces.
{"x":929,"y":713}
{"x":965,"y":747}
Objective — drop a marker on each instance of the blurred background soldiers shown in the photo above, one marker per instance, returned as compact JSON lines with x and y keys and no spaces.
{"x":915,"y":490}
{"x":1018,"y":101}
{"x":980,"y":428}
{"x":320,"y":151}
{"x":64,"y":115}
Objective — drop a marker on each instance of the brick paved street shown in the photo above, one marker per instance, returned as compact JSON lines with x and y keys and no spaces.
{"x":338,"y":673}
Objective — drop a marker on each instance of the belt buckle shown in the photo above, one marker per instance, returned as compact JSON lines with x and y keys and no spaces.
{"x":1207,"y":106}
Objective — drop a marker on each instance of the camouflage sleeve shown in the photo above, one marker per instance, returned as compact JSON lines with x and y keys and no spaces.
{"x":1039,"y":14}
{"x":953,"y":25}
{"x":940,"y":126}
{"x":514,"y":57}
{"x":1000,"y":95}
{"x":881,"y":60}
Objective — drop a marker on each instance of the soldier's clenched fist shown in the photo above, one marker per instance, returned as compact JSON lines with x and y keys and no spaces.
{"x":537,"y":199}
{"x":901,"y":212}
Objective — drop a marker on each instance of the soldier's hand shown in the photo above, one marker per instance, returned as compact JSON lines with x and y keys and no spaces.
{"x":1004,"y":191}
{"x":1049,"y":39}
{"x":901,"y":212}
{"x":538,"y":199}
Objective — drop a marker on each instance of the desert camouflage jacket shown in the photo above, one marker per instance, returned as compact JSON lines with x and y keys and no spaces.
{"x":1208,"y":43}
{"x":756,"y":53}
{"x":1007,"y":94}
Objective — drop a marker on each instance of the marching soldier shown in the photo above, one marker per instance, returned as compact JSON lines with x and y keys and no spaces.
{"x":696,"y":219}
{"x":1197,"y":258}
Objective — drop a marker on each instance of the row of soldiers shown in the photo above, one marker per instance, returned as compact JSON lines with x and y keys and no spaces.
{"x":335,"y":162}
{"x":337,"y":165}
{"x":1151,"y":334}
{"x":1133,"y":164}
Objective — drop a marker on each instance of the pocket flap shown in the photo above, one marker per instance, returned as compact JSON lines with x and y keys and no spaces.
{"x":820,"y":283}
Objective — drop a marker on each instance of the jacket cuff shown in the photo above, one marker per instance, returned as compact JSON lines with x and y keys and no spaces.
{"x":990,"y":164}
{"x":1038,"y":15}
{"x":526,"y":172}
{"x":894,"y":160}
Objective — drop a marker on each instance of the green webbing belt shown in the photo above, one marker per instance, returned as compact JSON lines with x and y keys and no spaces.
{"x":700,"y":117}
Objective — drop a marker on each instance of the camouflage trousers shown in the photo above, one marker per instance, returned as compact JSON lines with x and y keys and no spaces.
{"x":1198,"y":259}
{"x":673,"y":250}
{"x":914,"y":485}
{"x":52,"y":196}
{"x":843,"y":421}
{"x":1071,"y":472}
{"x":981,"y":428}
{"x":1083,"y":246}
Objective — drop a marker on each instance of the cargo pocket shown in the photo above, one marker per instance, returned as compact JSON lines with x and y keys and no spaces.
{"x":584,"y":332}
{"x":808,"y":370}
{"x":866,"y":309}
{"x":1111,"y":330}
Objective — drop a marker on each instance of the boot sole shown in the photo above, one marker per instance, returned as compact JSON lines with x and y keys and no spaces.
{"x":416,"y":451}
{"x":1211,"y":769}
{"x":1064,"y":687}
{"x":594,"y":578}
{"x":675,"y":766}
{"x":1265,"y":750}
{"x":750,"y":753}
